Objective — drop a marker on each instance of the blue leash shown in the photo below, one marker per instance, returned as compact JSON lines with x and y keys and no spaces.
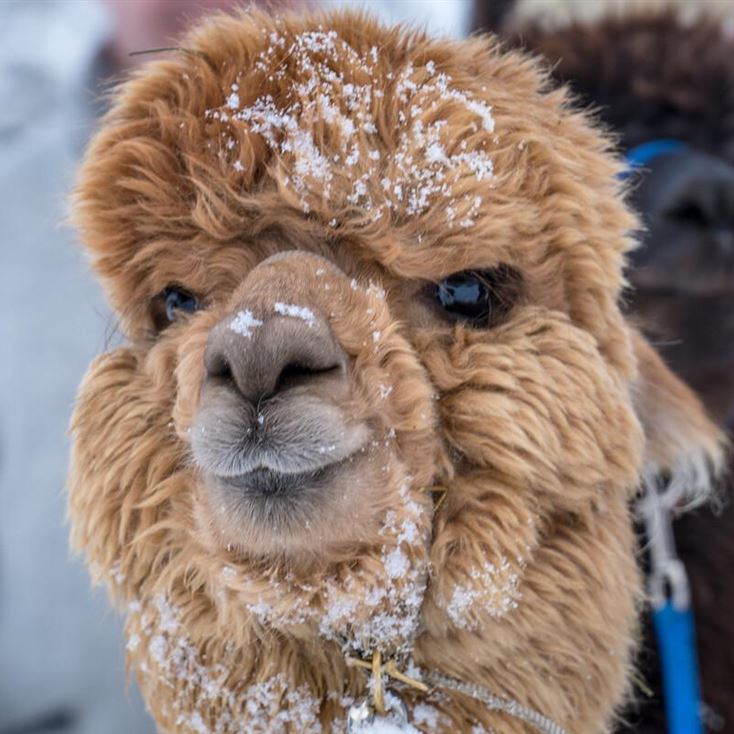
{"x":668,"y":583}
{"x":674,"y":629}
{"x":672,"y":615}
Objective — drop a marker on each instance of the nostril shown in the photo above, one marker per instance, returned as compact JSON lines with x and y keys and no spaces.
{"x":282,"y":352}
{"x":295,"y":373}
{"x":219,"y":368}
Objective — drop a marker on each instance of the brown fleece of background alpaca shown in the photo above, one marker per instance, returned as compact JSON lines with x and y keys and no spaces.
{"x":650,"y":75}
{"x":529,"y":425}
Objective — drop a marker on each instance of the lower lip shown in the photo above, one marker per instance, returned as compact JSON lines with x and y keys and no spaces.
{"x":269,"y":483}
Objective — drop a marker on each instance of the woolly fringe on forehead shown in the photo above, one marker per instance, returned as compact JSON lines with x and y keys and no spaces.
{"x":425,"y":156}
{"x":327,"y":130}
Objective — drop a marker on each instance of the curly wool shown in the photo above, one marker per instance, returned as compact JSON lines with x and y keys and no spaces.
{"x":401,"y":160}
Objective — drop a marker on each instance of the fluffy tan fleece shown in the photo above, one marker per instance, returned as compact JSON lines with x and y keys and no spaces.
{"x":400,"y":160}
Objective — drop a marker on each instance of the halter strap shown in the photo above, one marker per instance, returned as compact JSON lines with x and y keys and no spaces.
{"x":360,"y":714}
{"x":643,"y":154}
{"x":538,"y":721}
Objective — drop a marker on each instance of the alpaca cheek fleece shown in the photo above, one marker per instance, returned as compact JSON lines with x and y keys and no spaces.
{"x":378,"y":403}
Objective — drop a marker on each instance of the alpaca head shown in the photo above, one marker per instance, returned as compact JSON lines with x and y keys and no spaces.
{"x":377,"y":392}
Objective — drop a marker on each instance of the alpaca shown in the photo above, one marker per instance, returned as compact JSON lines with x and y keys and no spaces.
{"x":652,"y":76}
{"x":378,"y":404}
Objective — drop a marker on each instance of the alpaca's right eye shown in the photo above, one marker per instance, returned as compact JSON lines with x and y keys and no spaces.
{"x":478,"y":297}
{"x":168,"y":305}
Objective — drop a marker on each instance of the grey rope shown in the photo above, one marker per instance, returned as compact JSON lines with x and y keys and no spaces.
{"x":495,"y":703}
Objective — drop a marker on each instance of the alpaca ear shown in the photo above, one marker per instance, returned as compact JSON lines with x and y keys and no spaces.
{"x":682,"y":443}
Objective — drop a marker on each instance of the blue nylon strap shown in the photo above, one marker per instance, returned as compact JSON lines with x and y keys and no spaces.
{"x":675,"y":634}
{"x":641,"y":155}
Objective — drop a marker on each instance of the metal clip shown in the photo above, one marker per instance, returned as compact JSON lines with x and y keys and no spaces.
{"x":666,"y":569}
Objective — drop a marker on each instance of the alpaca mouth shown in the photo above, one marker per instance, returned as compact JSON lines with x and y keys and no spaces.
{"x":276,"y":502}
{"x":269,"y":483}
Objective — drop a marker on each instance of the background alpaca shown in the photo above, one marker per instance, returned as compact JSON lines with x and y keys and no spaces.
{"x":655,"y":76}
{"x":358,"y":267}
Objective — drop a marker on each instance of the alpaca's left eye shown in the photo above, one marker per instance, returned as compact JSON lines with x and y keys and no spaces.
{"x":177,"y":299}
{"x":170,"y":303}
{"x":479,"y":297}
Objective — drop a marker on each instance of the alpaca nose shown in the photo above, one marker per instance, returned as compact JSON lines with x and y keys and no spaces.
{"x":263,"y":357}
{"x":695,"y":193}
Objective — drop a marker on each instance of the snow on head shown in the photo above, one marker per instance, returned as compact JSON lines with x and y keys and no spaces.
{"x":383,"y":611}
{"x":244,"y":323}
{"x":493,"y":590}
{"x":296,"y":312}
{"x":430,"y":717}
{"x":233,"y":101}
{"x":221,"y":706}
{"x":330,"y":124}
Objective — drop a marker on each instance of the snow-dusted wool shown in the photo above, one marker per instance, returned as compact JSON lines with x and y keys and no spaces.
{"x":325,"y":170}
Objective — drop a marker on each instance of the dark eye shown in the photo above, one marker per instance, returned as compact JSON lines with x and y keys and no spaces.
{"x":168,"y":305}
{"x":479,"y":297}
{"x":177,"y":299}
